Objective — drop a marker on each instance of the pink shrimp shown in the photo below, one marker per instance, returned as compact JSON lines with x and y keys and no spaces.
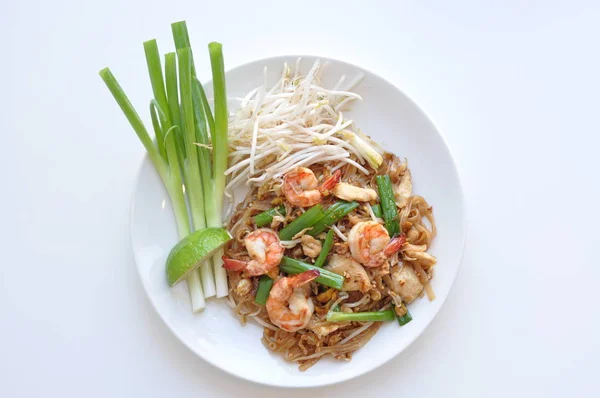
{"x":301,"y":188}
{"x":265,"y":250}
{"x":370,"y":243}
{"x":288,"y":305}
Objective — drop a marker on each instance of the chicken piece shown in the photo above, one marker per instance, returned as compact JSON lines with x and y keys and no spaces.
{"x":310,"y":246}
{"x":355,"y":276}
{"x":406,"y":284}
{"x":403,"y":191}
{"x":349,"y":192}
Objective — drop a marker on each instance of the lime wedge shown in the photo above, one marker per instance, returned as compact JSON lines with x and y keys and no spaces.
{"x":193,"y":250}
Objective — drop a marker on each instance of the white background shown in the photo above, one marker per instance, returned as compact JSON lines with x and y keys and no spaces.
{"x":513,"y":86}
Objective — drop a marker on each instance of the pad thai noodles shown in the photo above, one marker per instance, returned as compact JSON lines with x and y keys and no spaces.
{"x":329,"y":242}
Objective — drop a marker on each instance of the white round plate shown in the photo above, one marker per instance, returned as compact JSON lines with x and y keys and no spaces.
{"x":215,"y":335}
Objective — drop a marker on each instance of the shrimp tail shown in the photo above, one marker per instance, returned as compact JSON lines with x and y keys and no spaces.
{"x":331,"y":182}
{"x":304,"y":278}
{"x":234,"y":265}
{"x":394,"y":245}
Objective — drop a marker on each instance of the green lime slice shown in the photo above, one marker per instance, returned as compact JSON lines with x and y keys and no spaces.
{"x":193,"y":250}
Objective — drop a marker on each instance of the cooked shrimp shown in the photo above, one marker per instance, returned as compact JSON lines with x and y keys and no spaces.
{"x":264,"y":248}
{"x":288,"y":305}
{"x":370,"y":243}
{"x":301,"y":188}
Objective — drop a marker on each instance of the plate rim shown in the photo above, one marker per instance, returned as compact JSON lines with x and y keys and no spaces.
{"x":349,"y":376}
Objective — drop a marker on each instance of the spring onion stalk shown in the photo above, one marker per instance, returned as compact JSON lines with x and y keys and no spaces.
{"x":160,"y":97}
{"x":181,"y":38}
{"x":307,"y":220}
{"x":220,"y":142}
{"x":326,"y":278}
{"x":327,"y":244}
{"x":173,"y":102}
{"x":333,"y":214}
{"x":199,"y":135}
{"x":204,"y":163}
{"x":156,"y":125}
{"x":388,"y":205}
{"x":375,"y":316}
{"x":218,"y":127}
{"x":195,"y":186}
{"x":264,"y":288}
{"x":157,"y":81}
{"x":377,"y":211}
{"x":168,"y":170}
{"x":209,"y":116}
{"x":221,"y":116}
{"x":266,"y":217}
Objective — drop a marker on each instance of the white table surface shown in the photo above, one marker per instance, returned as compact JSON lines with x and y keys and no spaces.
{"x":513,"y":86}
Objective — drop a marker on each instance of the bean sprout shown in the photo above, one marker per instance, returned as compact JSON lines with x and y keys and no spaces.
{"x":296,"y":122}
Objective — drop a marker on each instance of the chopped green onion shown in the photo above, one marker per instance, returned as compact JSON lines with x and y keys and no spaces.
{"x":404,"y":319}
{"x":306,"y":220}
{"x":375,"y":316}
{"x":266,"y":217}
{"x":333,"y":214}
{"x":264,"y":288}
{"x":327,"y":278}
{"x":388,"y":205}
{"x":377,"y":211}
{"x":325,"y":249}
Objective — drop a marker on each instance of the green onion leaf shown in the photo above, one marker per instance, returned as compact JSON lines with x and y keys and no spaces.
{"x":264,"y":288}
{"x":327,"y":244}
{"x":377,"y":211}
{"x":327,"y":278}
{"x":375,"y":316}
{"x":388,"y":205}
{"x":266,"y":217}
{"x":333,"y":214}
{"x":306,"y":220}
